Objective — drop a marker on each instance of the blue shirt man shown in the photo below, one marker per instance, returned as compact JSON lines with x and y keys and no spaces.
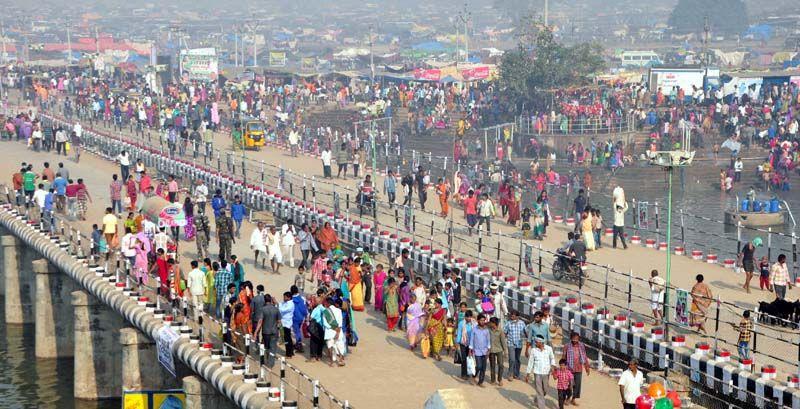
{"x":300,"y":314}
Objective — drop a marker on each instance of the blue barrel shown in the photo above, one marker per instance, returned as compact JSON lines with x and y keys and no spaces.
{"x":745,"y":205}
{"x":774,"y":206}
{"x":756,"y":205}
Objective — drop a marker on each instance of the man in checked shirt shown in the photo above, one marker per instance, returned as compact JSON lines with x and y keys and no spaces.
{"x":515,"y":336}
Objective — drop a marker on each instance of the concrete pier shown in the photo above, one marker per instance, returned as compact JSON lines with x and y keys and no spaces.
{"x":19,"y":281}
{"x":98,"y":356}
{"x":55,"y":333}
{"x":201,"y":395}
{"x":141,"y":369}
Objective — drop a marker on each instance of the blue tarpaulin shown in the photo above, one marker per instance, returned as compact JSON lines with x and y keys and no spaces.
{"x":759,"y":32}
{"x":429,"y":46}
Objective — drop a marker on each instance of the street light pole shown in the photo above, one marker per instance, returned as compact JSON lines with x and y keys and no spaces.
{"x":665,"y":312}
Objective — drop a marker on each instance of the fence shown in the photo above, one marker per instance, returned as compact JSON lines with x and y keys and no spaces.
{"x":293,"y":383}
{"x":503,"y":252}
{"x":565,"y":125}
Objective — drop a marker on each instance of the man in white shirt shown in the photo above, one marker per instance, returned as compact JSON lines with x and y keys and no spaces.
{"x":196,"y":283}
{"x":540,"y":363}
{"x":78,"y":129}
{"x":657,"y":287}
{"x":124,"y":165}
{"x":619,"y":224}
{"x":326,"y":163}
{"x":273,"y":243}
{"x":127,"y":247}
{"x":288,"y":240}
{"x":201,"y":195}
{"x":294,"y":141}
{"x":39,"y":196}
{"x":630,"y":385}
{"x":161,"y":239}
{"x":738,"y":167}
{"x":500,"y":306}
{"x":257,"y":243}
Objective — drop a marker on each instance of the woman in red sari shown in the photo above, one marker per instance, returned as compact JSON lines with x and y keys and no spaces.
{"x":515,"y":196}
{"x":130,"y":186}
{"x":245,"y":296}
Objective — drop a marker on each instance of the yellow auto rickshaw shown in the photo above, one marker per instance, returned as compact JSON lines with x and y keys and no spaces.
{"x":253,"y":135}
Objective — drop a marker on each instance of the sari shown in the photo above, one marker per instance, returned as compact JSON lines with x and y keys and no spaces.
{"x":140,"y":266}
{"x":414,"y":323}
{"x":515,"y":197}
{"x":356,"y":288}
{"x":327,"y":238}
{"x":177,"y":279}
{"x":245,"y":322}
{"x":588,"y":233}
{"x":378,"y":279}
{"x":392,"y":304}
{"x":436,"y":330}
{"x":538,"y":219}
{"x":211,"y":298}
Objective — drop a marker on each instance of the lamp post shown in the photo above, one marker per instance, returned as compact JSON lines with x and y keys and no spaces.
{"x":669,"y":160}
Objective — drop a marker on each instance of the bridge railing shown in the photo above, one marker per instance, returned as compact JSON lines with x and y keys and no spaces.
{"x":620,"y":290}
{"x":293,"y":383}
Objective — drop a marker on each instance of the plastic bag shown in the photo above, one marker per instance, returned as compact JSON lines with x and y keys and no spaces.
{"x":471,"y":369}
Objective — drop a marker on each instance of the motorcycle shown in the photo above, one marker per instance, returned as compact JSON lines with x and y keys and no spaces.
{"x":366,"y":202}
{"x":565,"y":268}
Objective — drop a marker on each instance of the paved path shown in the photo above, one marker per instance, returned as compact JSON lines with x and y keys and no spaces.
{"x":380,"y":370}
{"x":774,"y":345}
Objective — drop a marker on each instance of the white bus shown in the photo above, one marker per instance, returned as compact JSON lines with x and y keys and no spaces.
{"x":639,"y":58}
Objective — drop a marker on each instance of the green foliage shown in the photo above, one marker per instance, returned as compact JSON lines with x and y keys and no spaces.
{"x":540,"y":63}
{"x":724,"y":16}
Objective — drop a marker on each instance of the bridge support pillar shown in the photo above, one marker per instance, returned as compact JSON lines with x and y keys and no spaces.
{"x":98,"y":360}
{"x":141,"y":369}
{"x":54,"y":316}
{"x":201,"y":395}
{"x":19,"y":281}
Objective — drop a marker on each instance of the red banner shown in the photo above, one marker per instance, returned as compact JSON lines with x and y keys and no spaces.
{"x":428,"y":75}
{"x":477,"y":73}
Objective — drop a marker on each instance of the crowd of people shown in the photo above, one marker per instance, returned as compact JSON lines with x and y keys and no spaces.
{"x":329,"y":288}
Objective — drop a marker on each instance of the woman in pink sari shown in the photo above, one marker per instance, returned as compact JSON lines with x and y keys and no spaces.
{"x":140,"y":264}
{"x":378,"y":278}
{"x":414,"y":320}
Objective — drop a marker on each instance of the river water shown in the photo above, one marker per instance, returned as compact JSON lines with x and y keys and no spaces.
{"x":27,"y":382}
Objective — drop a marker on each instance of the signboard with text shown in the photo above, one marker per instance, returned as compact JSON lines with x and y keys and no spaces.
{"x":165,"y":340}
{"x":199,"y":64}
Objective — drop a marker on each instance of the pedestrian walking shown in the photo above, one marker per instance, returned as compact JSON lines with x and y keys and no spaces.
{"x":225,"y":238}
{"x":540,"y":363}
{"x":577,"y":362}
{"x":630,"y":385}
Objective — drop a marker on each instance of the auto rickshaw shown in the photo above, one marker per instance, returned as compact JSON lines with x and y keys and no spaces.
{"x":252,"y":136}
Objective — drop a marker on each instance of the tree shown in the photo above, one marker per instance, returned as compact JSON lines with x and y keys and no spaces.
{"x":724,"y":16}
{"x":540,"y":64}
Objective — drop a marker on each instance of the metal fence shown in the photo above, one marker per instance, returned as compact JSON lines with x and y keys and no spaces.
{"x":619,"y":290}
{"x":631,"y":291}
{"x":566,"y":125}
{"x":293,"y":384}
